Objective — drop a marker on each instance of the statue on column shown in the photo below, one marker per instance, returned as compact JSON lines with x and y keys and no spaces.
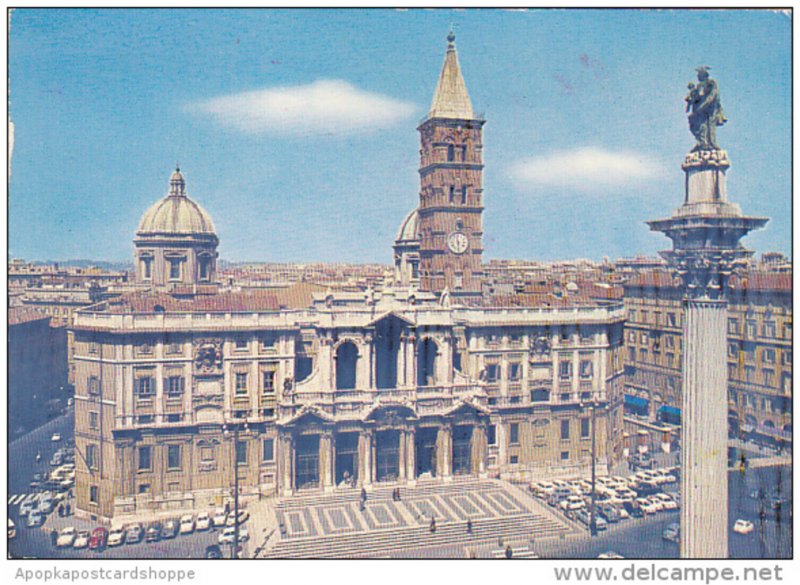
{"x":705,"y":110}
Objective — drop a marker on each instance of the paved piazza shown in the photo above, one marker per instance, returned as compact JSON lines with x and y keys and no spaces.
{"x":334,"y":525}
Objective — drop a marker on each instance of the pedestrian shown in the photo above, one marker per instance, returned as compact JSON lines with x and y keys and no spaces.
{"x":469,"y":526}
{"x":38,"y":456}
{"x":362,"y":505}
{"x":433,"y":524}
{"x":227,"y":508}
{"x":363,"y":494}
{"x":68,"y":510}
{"x":398,"y":494}
{"x":54,"y":536}
{"x":509,"y":552}
{"x":60,"y":510}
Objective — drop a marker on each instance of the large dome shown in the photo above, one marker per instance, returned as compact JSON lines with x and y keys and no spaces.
{"x":176,"y":213}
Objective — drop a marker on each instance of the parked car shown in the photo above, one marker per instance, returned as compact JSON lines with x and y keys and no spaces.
{"x":153,"y":532}
{"x":559,"y":494}
{"x":26,"y":507}
{"x":99,"y":538}
{"x":646,"y":506}
{"x":12,"y":529}
{"x":38,"y":479}
{"x":633,"y":509}
{"x":203,"y":522}
{"x":55,"y":438}
{"x":227,"y":536}
{"x":244,"y":516}
{"x":672,"y":532}
{"x":656,"y":502}
{"x":117,"y":536}
{"x":542,"y":489}
{"x":572,"y":503}
{"x":45,"y":505}
{"x":743,"y":526}
{"x":66,"y":537}
{"x":667,"y":501}
{"x":134,"y":534}
{"x":220,"y":517}
{"x":170,"y":529}
{"x":609,"y":513}
{"x":664,"y":476}
{"x":187,"y":524}
{"x":646,"y":488}
{"x":81,"y":539}
{"x":35,"y":518}
{"x":585,"y":518}
{"x":56,"y":460}
{"x":610,"y":554}
{"x":213,"y":552}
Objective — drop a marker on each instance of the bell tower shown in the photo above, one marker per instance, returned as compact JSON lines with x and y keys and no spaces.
{"x":451,"y":187}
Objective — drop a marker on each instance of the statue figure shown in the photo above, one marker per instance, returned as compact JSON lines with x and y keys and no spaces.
{"x":705,"y":110}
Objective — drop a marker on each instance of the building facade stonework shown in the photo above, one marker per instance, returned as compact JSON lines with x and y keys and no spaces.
{"x":180,"y":389}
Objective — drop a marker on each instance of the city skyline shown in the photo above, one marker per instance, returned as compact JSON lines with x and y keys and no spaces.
{"x":269,"y":91}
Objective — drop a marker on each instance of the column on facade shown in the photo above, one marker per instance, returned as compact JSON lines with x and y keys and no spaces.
{"x":158,"y":406}
{"x":479,"y":449}
{"x":401,"y":361}
{"x":227,"y":390}
{"x":363,"y":377}
{"x":444,"y":451}
{"x":365,"y":440}
{"x":129,"y":394}
{"x":444,"y":362}
{"x":326,"y":459}
{"x":411,"y":362}
{"x":704,"y":477}
{"x":287,"y":464}
{"x":411,"y":456}
{"x":256,"y":387}
{"x":327,"y":363}
{"x":502,"y":443}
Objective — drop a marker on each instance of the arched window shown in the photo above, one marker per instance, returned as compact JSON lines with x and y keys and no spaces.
{"x":205,"y":266}
{"x":346,"y":357}
{"x":451,"y":153}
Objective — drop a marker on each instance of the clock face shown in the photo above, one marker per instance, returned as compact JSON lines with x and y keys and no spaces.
{"x":457,"y":242}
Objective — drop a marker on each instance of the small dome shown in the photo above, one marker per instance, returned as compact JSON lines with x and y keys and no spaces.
{"x":408,"y":229}
{"x":176,"y":213}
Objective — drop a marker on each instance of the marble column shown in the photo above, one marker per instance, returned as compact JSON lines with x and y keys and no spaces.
{"x":401,"y":362}
{"x":478,"y":451}
{"x":287,"y":464}
{"x":402,"y":454}
{"x":704,"y":477}
{"x":365,"y":440}
{"x":411,"y":458}
{"x":444,"y":452}
{"x":326,"y":459}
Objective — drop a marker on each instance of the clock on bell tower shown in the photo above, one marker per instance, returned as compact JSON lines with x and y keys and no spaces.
{"x":451,"y":187}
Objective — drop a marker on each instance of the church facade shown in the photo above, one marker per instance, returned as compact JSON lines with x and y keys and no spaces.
{"x":186,"y":388}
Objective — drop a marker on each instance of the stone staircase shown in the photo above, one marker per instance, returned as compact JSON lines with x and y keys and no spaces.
{"x":450,"y":538}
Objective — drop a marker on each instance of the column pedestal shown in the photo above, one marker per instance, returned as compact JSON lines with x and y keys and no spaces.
{"x":411,"y":459}
{"x":704,"y":444}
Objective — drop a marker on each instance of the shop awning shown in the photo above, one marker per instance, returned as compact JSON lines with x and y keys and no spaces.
{"x":636,"y":402}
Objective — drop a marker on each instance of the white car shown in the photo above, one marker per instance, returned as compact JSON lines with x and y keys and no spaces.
{"x":81,"y":539}
{"x":227,"y":536}
{"x":117,"y":536}
{"x":664,"y":476}
{"x":542,"y":489}
{"x":646,"y":506}
{"x":55,"y":438}
{"x":667,"y":501}
{"x":610,"y":555}
{"x":203,"y":522}
{"x":12,"y":529}
{"x":26,"y":507}
{"x":220,"y":516}
{"x":66,"y":537}
{"x":35,"y":518}
{"x":187,"y":524}
{"x":572,"y":503}
{"x":743,"y":526}
{"x":244,"y":516}
{"x":657,"y":503}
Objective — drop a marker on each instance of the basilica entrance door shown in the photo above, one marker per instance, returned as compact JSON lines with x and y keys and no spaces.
{"x":346,"y":457}
{"x":462,"y":450}
{"x":307,"y":468}
{"x":387,"y":460}
{"x":425,"y":445}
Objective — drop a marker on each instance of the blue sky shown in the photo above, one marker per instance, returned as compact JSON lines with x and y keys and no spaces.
{"x":296,"y":129}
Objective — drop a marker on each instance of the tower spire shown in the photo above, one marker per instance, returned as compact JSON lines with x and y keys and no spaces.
{"x":451,"y":99}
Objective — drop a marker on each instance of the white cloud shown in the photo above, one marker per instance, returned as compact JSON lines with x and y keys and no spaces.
{"x":322,"y":107}
{"x":588,"y":169}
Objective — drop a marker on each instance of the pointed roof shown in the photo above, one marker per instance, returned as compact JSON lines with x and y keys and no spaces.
{"x":451,"y":99}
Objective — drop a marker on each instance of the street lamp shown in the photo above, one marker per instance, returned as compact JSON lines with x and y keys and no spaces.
{"x":226,"y":433}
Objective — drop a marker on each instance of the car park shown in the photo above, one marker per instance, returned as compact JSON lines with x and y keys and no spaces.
{"x":66,"y":537}
{"x":187,"y":524}
{"x":169,"y":529}
{"x":220,"y":517}
{"x":672,"y":532}
{"x":203,"y":522}
{"x":81,"y":539}
{"x":116,"y":537}
{"x":743,"y":526}
{"x":227,"y":536}
{"x":99,"y":539}
{"x":35,"y":518}
{"x":153,"y":532}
